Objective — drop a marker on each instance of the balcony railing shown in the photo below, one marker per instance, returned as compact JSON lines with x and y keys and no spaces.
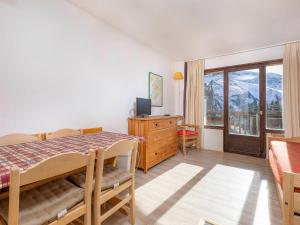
{"x":246,"y":122}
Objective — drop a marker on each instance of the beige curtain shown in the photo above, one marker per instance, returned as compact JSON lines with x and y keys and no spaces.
{"x":194,"y":95}
{"x":291,"y":89}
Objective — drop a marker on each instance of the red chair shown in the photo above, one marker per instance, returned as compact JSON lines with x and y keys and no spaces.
{"x":188,"y":135}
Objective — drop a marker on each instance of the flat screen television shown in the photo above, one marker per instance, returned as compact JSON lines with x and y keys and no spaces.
{"x":143,"y":107}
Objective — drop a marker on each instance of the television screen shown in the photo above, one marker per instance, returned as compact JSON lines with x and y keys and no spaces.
{"x":143,"y":106}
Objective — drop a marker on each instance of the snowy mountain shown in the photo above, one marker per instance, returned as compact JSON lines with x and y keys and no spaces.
{"x":214,"y":92}
{"x":274,"y":88}
{"x":243,"y":91}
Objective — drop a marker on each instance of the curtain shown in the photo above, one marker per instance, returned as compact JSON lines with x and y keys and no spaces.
{"x":291,"y":89}
{"x":194,"y":94}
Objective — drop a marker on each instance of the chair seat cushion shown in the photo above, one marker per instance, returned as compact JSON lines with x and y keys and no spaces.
{"x":187,"y":132}
{"x":111,"y":176}
{"x":42,"y":204}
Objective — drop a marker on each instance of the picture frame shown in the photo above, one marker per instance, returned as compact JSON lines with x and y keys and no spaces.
{"x":155,"y":89}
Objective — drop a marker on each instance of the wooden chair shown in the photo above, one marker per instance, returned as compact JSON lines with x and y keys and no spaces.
{"x":13,"y":139}
{"x":62,"y":133}
{"x":188,"y":135}
{"x":56,"y":202}
{"x":96,"y":130}
{"x":111,"y":181}
{"x":93,"y":130}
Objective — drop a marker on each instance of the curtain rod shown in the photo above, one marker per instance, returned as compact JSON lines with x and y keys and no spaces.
{"x":249,"y":50}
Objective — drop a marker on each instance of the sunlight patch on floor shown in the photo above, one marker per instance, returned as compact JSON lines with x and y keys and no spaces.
{"x":262,"y":206}
{"x":264,"y":210}
{"x":220,"y":194}
{"x":230,"y":188}
{"x":187,"y":185}
{"x":164,"y":186}
{"x":221,"y":189}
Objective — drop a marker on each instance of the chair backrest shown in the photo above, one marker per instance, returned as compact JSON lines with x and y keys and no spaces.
{"x":180,"y":121}
{"x":62,"y":133}
{"x":49,"y":168}
{"x":13,"y":139}
{"x":93,"y":130}
{"x":120,"y":148}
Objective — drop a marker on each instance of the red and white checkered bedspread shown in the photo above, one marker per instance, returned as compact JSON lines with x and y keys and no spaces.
{"x":28,"y":154}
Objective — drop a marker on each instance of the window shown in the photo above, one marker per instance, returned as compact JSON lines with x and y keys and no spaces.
{"x":274,"y":97}
{"x":244,"y":97}
{"x":214,"y":99}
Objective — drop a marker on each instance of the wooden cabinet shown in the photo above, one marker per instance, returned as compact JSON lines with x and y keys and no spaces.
{"x":160,"y":133}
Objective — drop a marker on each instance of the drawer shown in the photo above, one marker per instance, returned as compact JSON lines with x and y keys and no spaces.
{"x":154,"y":154}
{"x":162,"y":143}
{"x":172,"y":150}
{"x":160,"y":153}
{"x":162,"y":135}
{"x":161,"y":124}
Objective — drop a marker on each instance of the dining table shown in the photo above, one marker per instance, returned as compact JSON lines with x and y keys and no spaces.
{"x":28,"y":154}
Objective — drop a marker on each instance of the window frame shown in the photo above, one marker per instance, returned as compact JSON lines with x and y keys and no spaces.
{"x":227,"y":69}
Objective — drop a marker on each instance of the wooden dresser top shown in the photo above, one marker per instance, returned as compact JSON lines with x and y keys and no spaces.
{"x":155,"y":118}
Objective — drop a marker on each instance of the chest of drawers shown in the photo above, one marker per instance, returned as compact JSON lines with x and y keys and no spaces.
{"x":160,"y":134}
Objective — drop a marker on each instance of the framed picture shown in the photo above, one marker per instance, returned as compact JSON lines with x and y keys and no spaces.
{"x":156,"y":89}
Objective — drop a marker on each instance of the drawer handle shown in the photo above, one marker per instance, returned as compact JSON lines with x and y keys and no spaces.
{"x":170,"y":122}
{"x":156,"y":124}
{"x":155,"y":153}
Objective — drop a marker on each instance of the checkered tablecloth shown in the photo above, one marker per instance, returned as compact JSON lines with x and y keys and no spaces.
{"x":28,"y":154}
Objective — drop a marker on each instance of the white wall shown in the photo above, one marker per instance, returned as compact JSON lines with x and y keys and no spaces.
{"x":212,"y":138}
{"x":246,"y":57}
{"x":61,"y":67}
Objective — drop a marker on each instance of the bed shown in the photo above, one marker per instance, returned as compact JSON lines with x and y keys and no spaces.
{"x":284,"y":158}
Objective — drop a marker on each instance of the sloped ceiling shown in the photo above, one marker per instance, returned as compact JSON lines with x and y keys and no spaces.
{"x":190,"y":29}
